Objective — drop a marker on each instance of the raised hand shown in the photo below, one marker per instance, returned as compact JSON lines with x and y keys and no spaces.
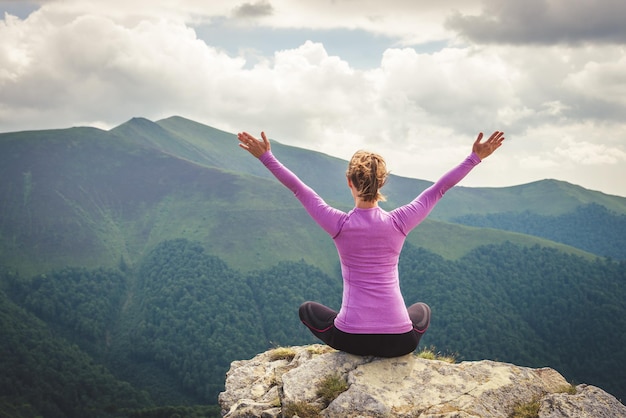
{"x":485,"y":149}
{"x":253,"y":145}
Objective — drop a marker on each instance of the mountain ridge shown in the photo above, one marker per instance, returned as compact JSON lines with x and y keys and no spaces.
{"x":111,"y":194}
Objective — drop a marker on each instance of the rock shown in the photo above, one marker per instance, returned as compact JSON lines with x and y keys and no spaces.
{"x":588,"y":401}
{"x":285,"y":383}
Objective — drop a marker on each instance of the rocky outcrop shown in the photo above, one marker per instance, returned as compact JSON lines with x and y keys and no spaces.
{"x":315,"y":380}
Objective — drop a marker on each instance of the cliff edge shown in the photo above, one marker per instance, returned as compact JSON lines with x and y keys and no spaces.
{"x":317,"y":381}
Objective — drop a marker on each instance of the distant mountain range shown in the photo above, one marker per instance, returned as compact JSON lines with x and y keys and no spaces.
{"x":137,"y":263}
{"x":90,"y":197}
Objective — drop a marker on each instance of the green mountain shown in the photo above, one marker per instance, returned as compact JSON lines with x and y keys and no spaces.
{"x":152,"y":255}
{"x":88,"y":197}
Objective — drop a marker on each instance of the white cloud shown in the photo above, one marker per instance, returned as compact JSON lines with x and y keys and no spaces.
{"x":603,"y":80}
{"x":91,"y":66}
{"x":586,"y":153}
{"x":578,"y":152}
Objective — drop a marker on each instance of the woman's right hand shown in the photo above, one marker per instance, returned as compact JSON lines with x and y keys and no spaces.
{"x":253,"y":145}
{"x":485,"y":149}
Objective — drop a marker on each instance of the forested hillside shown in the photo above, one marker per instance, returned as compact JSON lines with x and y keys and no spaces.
{"x":166,"y":334}
{"x":44,"y":373}
{"x":137,"y":263}
{"x":589,"y":227}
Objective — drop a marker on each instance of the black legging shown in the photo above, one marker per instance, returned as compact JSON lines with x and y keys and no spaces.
{"x":320,"y":320}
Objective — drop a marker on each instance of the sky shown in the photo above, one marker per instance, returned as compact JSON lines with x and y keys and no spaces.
{"x":413,"y":80}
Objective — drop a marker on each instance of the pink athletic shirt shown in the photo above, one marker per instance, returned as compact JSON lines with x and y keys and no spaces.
{"x":369,"y":242}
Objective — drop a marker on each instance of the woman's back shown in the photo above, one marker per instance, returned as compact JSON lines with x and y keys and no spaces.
{"x":369,"y":246}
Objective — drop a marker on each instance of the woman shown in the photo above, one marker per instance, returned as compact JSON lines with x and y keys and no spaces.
{"x":373,"y":319}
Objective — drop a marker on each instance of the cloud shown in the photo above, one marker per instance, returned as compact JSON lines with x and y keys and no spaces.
{"x":409,"y":22}
{"x":155,"y":66}
{"x":601,"y":80}
{"x":91,"y":67}
{"x":543,"y":22}
{"x":453,"y":85}
{"x":587,"y":153}
{"x":261,"y":8}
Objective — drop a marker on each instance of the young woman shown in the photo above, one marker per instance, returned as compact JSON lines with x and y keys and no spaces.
{"x":373,"y":319}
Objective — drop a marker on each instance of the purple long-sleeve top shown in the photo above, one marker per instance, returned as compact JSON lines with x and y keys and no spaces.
{"x":369,"y":242}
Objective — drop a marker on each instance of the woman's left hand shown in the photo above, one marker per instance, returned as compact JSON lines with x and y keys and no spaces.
{"x":253,"y":145}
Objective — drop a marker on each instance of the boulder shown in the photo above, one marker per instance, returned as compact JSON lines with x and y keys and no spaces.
{"x":288,"y":382}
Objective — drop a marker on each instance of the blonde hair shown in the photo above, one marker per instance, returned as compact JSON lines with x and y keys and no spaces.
{"x":368,"y":172}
